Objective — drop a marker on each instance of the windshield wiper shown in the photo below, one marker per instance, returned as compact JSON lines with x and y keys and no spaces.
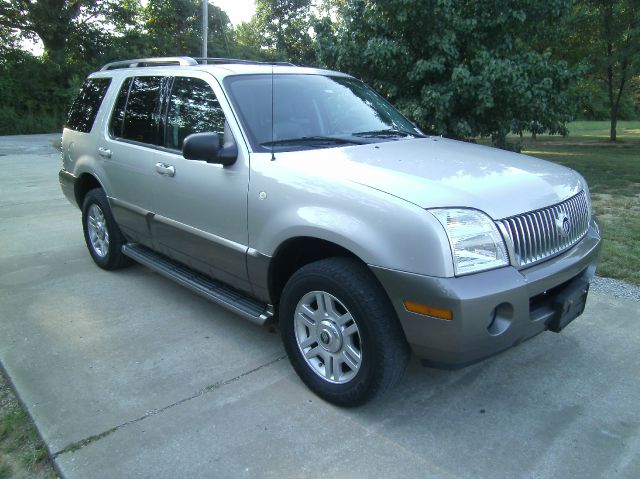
{"x":311,"y":140}
{"x":387,"y":133}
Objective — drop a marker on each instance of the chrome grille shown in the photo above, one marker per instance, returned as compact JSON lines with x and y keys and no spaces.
{"x":536,"y":236}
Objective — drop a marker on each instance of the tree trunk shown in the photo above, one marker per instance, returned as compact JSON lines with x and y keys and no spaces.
{"x":614,"y":123}
{"x":607,"y":18}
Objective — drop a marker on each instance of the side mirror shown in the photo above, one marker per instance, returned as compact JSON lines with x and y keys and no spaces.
{"x":207,"y":147}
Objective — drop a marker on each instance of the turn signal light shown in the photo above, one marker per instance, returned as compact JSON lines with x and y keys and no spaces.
{"x":425,"y":310}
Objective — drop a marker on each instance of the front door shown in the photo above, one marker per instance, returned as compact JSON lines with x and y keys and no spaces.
{"x":200,"y":208}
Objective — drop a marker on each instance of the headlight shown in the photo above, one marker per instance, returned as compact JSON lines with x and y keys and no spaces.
{"x":475,"y":241}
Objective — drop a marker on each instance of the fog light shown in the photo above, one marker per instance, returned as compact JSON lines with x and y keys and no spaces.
{"x":425,"y":310}
{"x":500,"y":319}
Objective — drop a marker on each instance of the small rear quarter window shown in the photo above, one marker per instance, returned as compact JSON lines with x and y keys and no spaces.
{"x":86,"y":105}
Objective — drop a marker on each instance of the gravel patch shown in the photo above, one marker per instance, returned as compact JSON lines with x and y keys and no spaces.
{"x":615,"y":288}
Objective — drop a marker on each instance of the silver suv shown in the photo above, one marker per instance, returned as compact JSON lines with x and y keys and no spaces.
{"x":303,"y":195}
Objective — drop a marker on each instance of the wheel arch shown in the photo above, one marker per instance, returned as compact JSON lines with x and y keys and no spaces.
{"x":85,"y":183}
{"x":294,"y":253}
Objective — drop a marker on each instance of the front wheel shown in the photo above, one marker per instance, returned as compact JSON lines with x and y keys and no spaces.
{"x":340,"y":331}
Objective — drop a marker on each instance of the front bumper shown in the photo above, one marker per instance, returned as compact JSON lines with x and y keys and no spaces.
{"x":493,"y":310}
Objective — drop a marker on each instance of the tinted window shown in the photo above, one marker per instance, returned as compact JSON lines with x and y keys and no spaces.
{"x":117,"y":117}
{"x":193,"y":108}
{"x":141,"y":112}
{"x":85,"y":107}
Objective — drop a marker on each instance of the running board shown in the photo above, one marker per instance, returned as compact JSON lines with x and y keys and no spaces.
{"x":213,"y":290}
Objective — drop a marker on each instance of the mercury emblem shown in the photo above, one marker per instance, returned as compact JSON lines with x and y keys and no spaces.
{"x":563,"y":224}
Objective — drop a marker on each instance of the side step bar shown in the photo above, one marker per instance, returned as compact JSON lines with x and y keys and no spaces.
{"x":213,"y":290}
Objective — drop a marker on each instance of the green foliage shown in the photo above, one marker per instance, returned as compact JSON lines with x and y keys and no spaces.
{"x":605,"y":36}
{"x":173,"y":27}
{"x":594,"y":100}
{"x":65,"y":26}
{"x":5,"y":470}
{"x":33,"y":98}
{"x":457,"y":68}
{"x":248,"y":40}
{"x":280,"y":29}
{"x":35,"y":92}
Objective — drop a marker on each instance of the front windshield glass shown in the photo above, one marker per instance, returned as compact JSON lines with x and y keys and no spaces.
{"x":313,"y":111}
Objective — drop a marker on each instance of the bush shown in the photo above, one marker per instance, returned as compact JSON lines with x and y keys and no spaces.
{"x":34,"y":94}
{"x":22,"y":123}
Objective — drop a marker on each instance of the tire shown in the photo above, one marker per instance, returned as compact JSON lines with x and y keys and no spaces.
{"x":336,"y":313}
{"x":101,"y":233}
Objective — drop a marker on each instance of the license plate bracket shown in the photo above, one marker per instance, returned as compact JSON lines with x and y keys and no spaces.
{"x":568,"y":305}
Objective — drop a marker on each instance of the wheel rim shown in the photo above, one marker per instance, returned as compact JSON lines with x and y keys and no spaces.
{"x":328,"y":337}
{"x":97,"y":229}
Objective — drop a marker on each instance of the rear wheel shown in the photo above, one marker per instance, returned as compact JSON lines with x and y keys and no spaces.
{"x":340,"y":331}
{"x":101,"y":233}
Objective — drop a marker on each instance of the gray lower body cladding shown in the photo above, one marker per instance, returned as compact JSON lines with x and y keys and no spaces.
{"x":68,"y":185}
{"x":492,"y":311}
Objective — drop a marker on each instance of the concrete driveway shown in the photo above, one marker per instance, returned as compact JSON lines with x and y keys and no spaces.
{"x":127,"y":374}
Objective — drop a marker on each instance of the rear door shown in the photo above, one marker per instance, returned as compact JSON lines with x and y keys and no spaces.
{"x":201,"y":208}
{"x":129,"y":148}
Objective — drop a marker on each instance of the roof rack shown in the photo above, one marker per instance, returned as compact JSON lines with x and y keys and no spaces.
{"x":150,"y":62}
{"x":238,"y":60}
{"x":183,"y":61}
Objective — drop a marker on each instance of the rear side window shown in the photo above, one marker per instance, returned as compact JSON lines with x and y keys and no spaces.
{"x":117,"y":117}
{"x":193,"y":108}
{"x":141,"y":111}
{"x":86,"y":105}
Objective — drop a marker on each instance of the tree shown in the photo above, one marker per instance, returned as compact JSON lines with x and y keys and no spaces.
{"x":248,"y":40}
{"x":61,"y":24}
{"x":457,"y":67}
{"x":607,"y":36}
{"x":78,"y":37}
{"x":35,"y":91}
{"x":174,"y":27}
{"x":281,"y":28}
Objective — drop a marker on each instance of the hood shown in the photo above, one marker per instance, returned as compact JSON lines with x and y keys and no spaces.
{"x":437,"y":172}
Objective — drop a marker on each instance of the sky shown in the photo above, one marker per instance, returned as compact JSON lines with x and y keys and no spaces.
{"x":238,"y":10}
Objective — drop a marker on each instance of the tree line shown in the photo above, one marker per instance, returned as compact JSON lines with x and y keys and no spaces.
{"x":460,"y":68}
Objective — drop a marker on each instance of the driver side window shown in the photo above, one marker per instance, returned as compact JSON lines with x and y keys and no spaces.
{"x":193,"y":108}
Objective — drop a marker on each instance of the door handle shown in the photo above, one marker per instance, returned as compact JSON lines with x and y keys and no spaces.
{"x":164,"y":169}
{"x":104,"y":152}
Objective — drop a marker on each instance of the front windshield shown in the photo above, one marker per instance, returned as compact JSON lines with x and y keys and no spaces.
{"x":312,"y":111}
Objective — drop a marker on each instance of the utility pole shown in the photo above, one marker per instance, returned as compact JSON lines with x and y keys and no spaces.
{"x":205,"y":28}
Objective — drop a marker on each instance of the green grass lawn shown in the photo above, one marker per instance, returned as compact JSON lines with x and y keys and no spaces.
{"x":22,"y":454}
{"x":613,"y":173}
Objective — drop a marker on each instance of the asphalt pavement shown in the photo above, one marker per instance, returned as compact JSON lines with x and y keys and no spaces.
{"x":127,"y":374}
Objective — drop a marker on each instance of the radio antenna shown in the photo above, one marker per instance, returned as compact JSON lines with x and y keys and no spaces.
{"x":273,"y":155}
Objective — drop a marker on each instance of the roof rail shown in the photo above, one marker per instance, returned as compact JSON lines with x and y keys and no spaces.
{"x":150,"y":62}
{"x":183,"y":61}
{"x":238,"y":60}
